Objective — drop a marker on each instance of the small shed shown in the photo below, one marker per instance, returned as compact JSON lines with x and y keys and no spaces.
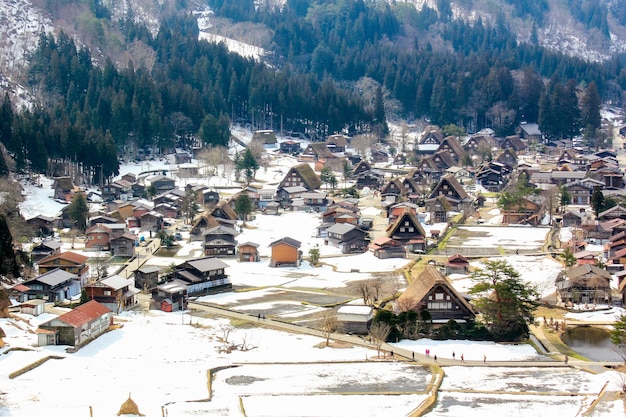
{"x":248,"y":252}
{"x":355,"y":318}
{"x":33,"y":307}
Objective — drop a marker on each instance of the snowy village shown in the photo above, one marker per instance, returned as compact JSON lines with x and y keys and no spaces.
{"x":195,"y":289}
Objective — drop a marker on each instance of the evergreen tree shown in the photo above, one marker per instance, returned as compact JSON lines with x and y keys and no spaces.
{"x":506,"y":302}
{"x":248,"y":164}
{"x":243,"y":206}
{"x":597,"y":200}
{"x":79,"y":211}
{"x":590,"y":108}
{"x":9,"y":267}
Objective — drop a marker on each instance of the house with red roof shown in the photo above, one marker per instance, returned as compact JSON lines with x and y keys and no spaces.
{"x":77,"y":327}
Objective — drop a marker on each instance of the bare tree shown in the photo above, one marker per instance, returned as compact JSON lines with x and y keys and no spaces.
{"x":362,"y":143}
{"x":379,"y":331}
{"x":364,"y":289}
{"x":328,"y":324}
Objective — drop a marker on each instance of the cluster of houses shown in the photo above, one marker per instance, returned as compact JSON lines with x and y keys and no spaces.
{"x":434,"y":190}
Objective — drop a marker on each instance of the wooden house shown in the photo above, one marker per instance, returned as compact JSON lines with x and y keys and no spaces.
{"x":384,"y":247}
{"x":44,"y":249}
{"x":508,"y":158}
{"x":224,"y":211}
{"x":291,"y":147}
{"x":514,"y":142}
{"x":301,"y":175}
{"x":452,"y":146}
{"x":117,"y":190}
{"x":266,"y":137}
{"x":202,"y":223}
{"x":347,"y":237}
{"x":379,"y":156}
{"x":203,"y":276}
{"x":529,"y":211}
{"x":63,"y":188}
{"x":220,"y":241}
{"x":452,"y":190}
{"x":98,"y":238}
{"x":477,"y":144}
{"x":42,"y":225}
{"x":584,"y":284}
{"x":613,"y":213}
{"x":432,"y":291}
{"x":82,"y":324}
{"x":360,"y":167}
{"x":573,"y":218}
{"x":408,"y":231}
{"x":287,"y":195}
{"x":393,"y":191}
{"x":457,"y":264}
{"x":285,"y":252}
{"x":170,"y":296}
{"x":337,"y":143}
{"x":585,"y":257}
{"x":123,"y":245}
{"x":55,"y":285}
{"x":113,"y":292}
{"x":147,"y":277}
{"x":372,"y":179}
{"x":71,"y":262}
{"x":529,"y":132}
{"x":429,"y":142}
{"x":161,"y":183}
{"x":248,"y":252}
{"x":151,"y":221}
{"x":210,"y":197}
{"x":582,"y":190}
{"x":355,"y":319}
{"x":438,"y":207}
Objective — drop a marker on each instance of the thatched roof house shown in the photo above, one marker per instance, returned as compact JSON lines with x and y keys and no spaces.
{"x":432,"y":291}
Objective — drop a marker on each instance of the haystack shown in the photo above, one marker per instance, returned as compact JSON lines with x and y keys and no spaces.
{"x":129,"y":408}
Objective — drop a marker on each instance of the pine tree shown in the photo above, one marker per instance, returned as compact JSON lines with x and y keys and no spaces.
{"x":79,"y":211}
{"x":8,"y":262}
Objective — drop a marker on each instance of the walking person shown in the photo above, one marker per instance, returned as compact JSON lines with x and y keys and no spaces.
{"x":435,"y":357}
{"x":392,"y":354}
{"x":452,"y":355}
{"x":484,"y":358}
{"x":566,"y":359}
{"x":413,"y":355}
{"x":462,"y":358}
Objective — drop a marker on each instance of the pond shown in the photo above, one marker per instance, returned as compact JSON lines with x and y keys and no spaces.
{"x":591,"y":342}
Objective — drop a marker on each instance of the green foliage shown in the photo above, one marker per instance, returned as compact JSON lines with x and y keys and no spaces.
{"x":568,"y":258}
{"x":166,"y":240}
{"x":83,"y":297}
{"x":505,"y":301}
{"x":248,"y":164}
{"x":79,"y":211}
{"x":8,"y":262}
{"x":597,"y":200}
{"x":618,"y":335}
{"x":565,"y":197}
{"x":314,"y":256}
{"x":243,"y":205}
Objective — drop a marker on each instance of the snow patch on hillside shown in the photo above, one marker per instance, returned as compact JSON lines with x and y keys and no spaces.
{"x":21,"y":25}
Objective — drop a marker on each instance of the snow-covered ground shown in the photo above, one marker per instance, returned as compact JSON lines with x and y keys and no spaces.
{"x":162,"y":360}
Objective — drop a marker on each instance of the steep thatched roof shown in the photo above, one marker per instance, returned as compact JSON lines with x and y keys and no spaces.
{"x":129,"y":407}
{"x":430,"y":277}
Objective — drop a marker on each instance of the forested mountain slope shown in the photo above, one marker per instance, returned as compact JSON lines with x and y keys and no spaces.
{"x":120,"y":75}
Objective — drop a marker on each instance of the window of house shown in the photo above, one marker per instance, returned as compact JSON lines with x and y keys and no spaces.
{"x":107,"y":292}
